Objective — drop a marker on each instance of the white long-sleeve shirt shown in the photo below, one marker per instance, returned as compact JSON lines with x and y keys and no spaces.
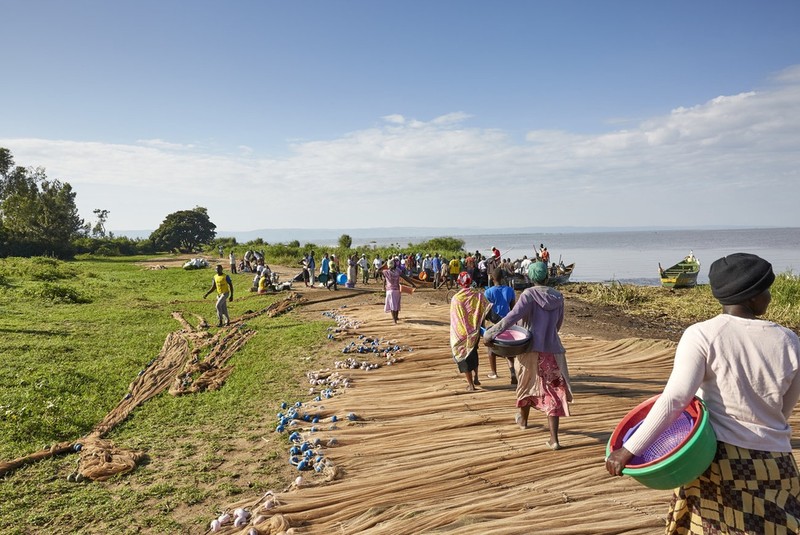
{"x":746,"y":371}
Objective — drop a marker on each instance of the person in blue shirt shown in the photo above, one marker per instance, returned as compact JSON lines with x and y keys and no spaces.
{"x":436,"y":266}
{"x":312,"y":268}
{"x":502,"y":298}
{"x":324,"y":269}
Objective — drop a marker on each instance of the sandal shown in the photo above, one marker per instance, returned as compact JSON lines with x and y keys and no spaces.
{"x":491,"y":375}
{"x":554,"y":447}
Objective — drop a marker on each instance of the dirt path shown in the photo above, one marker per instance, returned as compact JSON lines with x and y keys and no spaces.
{"x":425,"y":456}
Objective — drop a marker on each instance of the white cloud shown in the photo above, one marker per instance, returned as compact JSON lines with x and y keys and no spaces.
{"x":706,"y":163}
{"x":394,"y":118}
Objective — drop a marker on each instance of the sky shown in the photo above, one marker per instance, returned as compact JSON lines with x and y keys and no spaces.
{"x":371,"y":113}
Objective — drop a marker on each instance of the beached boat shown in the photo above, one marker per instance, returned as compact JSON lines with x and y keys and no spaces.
{"x":559,"y":274}
{"x":681,"y":275}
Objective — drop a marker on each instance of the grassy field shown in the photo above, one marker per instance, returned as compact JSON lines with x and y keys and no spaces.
{"x":74,"y":336}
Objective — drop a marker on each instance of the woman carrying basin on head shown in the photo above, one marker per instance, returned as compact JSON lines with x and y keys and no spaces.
{"x":746,"y":371}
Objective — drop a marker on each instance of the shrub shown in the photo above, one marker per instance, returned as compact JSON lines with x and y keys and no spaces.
{"x":56,"y":293}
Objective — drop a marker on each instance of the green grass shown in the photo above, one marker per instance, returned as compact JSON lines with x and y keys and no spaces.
{"x":75,"y":334}
{"x":689,"y":305}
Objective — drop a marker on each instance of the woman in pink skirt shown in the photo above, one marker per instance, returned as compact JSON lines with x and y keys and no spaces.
{"x":542,"y":374}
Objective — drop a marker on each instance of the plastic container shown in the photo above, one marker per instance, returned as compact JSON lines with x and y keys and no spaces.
{"x":511,"y":342}
{"x":678,"y":456}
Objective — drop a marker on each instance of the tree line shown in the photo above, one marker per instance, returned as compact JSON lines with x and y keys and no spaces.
{"x":39,"y":217}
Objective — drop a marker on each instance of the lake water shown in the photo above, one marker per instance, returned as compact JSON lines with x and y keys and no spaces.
{"x":633,"y":256}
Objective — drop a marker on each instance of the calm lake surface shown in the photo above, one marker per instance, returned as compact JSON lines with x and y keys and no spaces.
{"x":633,"y":256}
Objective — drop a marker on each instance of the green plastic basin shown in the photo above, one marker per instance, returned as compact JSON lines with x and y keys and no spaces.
{"x":680,"y":466}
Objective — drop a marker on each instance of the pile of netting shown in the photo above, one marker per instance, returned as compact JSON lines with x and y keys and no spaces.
{"x":179,"y":368}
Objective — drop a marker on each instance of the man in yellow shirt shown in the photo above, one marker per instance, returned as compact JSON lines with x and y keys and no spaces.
{"x":224,"y":286}
{"x":455,"y":268}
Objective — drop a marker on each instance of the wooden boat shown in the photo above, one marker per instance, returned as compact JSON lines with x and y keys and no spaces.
{"x":681,"y":275}
{"x":559,"y":274}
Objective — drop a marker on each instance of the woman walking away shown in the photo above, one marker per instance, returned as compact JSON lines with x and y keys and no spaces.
{"x":468,"y":309}
{"x":502,"y":298}
{"x":391,"y":282}
{"x":542,"y":374}
{"x":746,"y":371}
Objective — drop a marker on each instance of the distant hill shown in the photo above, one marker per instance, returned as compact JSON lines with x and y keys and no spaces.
{"x":383,"y":234}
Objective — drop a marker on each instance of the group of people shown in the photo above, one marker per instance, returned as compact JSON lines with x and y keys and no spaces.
{"x":328,"y":271}
{"x":744,"y":368}
{"x":540,"y":372}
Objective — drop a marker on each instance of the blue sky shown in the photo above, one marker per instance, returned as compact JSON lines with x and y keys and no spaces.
{"x":353,"y":114}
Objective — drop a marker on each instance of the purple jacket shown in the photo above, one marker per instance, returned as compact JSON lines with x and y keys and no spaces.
{"x":540,"y":309}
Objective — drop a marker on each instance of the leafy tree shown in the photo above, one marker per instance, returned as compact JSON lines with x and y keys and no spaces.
{"x":184,"y":231}
{"x":345,"y":241}
{"x":38,"y":216}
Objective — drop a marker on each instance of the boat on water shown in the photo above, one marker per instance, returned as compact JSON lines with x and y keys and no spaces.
{"x":559,"y":274}
{"x":681,"y":275}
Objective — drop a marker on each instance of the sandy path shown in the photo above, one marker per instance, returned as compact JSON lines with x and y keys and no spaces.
{"x":426,"y":456}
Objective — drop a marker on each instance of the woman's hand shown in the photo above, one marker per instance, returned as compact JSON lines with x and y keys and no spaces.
{"x":617,"y":460}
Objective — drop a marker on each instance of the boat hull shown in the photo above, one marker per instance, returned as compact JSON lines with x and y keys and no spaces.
{"x":683,"y":280}
{"x":681,"y":275}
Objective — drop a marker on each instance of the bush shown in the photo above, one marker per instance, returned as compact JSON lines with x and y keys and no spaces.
{"x":41,"y":268}
{"x":345,"y":241}
{"x":447,"y":245}
{"x":56,"y":293}
{"x":617,"y":293}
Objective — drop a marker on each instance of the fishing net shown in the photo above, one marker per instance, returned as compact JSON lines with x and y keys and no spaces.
{"x":426,"y":456}
{"x":179,"y":368}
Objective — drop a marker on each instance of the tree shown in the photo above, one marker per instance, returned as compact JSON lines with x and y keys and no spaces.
{"x":38,"y":216}
{"x":99,"y":228}
{"x":345,"y":241}
{"x":184,"y":231}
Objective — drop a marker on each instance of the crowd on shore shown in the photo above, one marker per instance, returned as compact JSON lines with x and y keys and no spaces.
{"x":746,"y":371}
{"x":433,"y":268}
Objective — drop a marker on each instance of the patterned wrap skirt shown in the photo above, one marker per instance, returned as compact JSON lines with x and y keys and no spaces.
{"x":540,"y":384}
{"x":743,"y":492}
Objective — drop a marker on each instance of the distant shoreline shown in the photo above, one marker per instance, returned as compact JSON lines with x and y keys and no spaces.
{"x":386,"y":234}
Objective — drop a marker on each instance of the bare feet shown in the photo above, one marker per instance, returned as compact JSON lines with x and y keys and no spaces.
{"x":520,"y":421}
{"x":471,"y":388}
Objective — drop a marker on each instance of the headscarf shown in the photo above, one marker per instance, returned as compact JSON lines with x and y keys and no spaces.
{"x":738,"y":277}
{"x":464,"y":280}
{"x":537,"y":272}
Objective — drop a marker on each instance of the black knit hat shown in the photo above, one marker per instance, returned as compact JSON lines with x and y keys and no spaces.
{"x":738,"y":277}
